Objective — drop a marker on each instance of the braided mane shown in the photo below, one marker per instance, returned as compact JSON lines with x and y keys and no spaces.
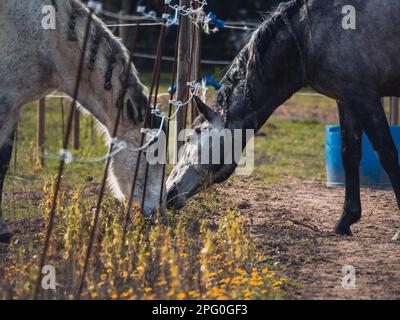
{"x":117,"y":53}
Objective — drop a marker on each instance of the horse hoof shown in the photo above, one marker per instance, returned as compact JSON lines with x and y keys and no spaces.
{"x":343,"y":230}
{"x":5,"y":236}
{"x":396,"y":236}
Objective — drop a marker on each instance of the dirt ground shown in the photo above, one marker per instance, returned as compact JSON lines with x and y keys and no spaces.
{"x":293,"y":223}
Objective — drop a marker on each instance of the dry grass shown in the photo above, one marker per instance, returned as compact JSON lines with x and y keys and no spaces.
{"x":174,"y":257}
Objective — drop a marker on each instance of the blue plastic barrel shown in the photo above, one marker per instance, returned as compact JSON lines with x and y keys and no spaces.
{"x":372,"y":174}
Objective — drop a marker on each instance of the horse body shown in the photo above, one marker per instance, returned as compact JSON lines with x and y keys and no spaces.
{"x":304,"y":44}
{"x":36,"y":61}
{"x":364,"y":58}
{"x":23,"y":73}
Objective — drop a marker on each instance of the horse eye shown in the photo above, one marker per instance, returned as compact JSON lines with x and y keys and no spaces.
{"x":197,"y":130}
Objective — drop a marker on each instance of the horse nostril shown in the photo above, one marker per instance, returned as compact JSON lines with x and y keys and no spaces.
{"x":172,"y":197}
{"x":148,"y":213}
{"x":5,"y":232}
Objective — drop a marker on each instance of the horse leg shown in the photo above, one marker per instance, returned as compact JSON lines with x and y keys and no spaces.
{"x":372,"y":116}
{"x":5,"y":157}
{"x":351,"y":135}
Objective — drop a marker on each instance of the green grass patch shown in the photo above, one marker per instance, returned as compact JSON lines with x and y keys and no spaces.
{"x":290,"y":148}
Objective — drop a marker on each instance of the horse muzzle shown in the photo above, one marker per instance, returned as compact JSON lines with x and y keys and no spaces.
{"x":5,"y":232}
{"x":175,"y":200}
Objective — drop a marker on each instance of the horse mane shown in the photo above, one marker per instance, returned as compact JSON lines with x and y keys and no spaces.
{"x":248,"y":62}
{"x":117,"y":52}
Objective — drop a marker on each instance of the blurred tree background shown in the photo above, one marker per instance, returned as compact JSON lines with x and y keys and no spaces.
{"x":223,"y":45}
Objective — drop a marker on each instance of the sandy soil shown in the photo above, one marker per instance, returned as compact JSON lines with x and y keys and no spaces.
{"x":293,"y":222}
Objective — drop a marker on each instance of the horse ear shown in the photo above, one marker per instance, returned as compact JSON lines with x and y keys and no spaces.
{"x":209,"y":114}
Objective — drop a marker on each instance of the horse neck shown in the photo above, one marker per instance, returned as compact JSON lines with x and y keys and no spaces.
{"x":279,"y":73}
{"x":66,"y":56}
{"x":269,"y":98}
{"x":97,"y":105}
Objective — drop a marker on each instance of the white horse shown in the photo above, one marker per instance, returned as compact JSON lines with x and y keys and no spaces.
{"x":36,"y":61}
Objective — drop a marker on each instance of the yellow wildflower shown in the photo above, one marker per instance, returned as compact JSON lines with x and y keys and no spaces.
{"x":240,"y":271}
{"x":181,"y":296}
{"x":114,"y":296}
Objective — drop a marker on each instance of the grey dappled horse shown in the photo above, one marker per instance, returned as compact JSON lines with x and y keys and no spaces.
{"x":304,"y":44}
{"x":36,"y":61}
